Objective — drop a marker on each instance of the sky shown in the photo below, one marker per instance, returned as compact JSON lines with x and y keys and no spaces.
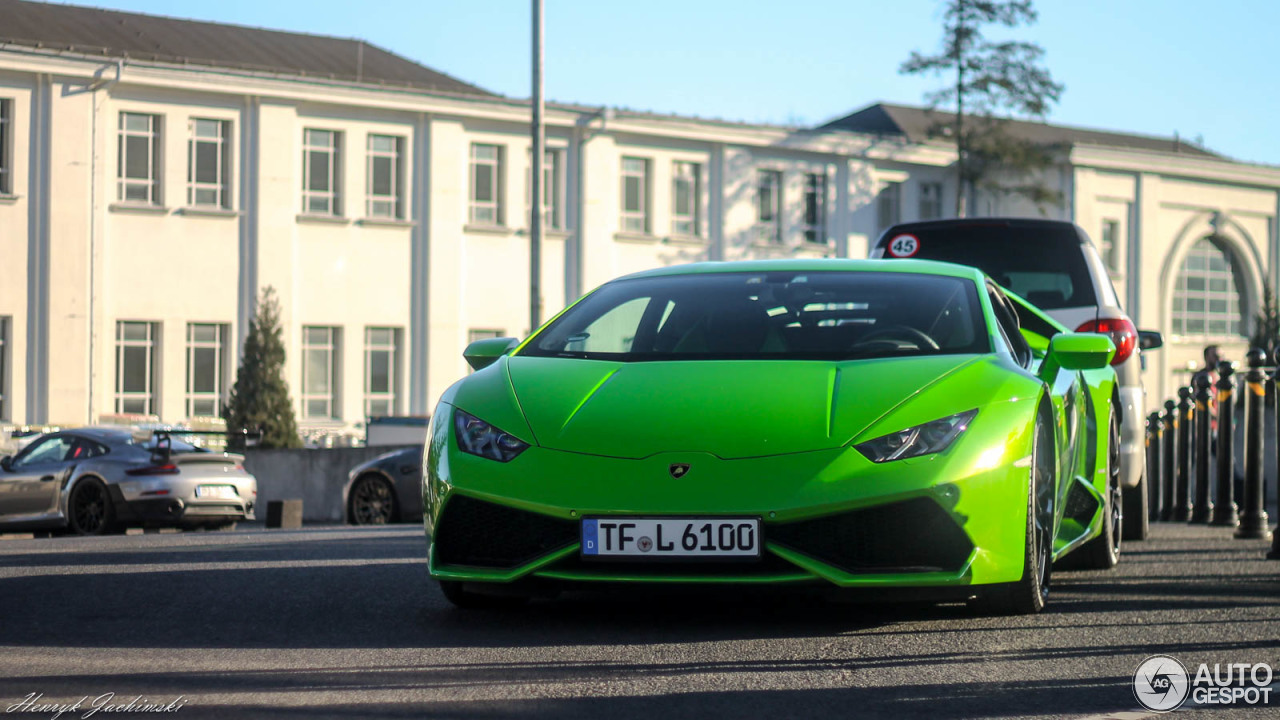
{"x":1204,"y":70}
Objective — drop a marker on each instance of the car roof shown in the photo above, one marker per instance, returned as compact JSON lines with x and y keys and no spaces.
{"x":104,"y":434}
{"x":1012,"y":222}
{"x":922,"y":267}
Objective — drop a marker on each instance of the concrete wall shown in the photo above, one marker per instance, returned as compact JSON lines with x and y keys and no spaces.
{"x":314,"y":476}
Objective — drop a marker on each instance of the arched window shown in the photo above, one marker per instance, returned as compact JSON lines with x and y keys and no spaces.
{"x":1207,"y":299}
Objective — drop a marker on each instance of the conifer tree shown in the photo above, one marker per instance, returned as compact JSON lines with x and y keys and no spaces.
{"x":990,"y":80}
{"x":260,"y":399}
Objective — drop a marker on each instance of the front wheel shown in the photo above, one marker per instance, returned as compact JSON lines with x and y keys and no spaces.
{"x":1030,"y":593}
{"x":372,"y":502}
{"x":89,"y":510}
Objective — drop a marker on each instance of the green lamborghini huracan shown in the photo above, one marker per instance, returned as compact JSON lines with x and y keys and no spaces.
{"x":840,"y":423}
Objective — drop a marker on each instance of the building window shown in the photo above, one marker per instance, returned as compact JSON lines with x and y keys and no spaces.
{"x":381,"y":371}
{"x":321,"y":172}
{"x":552,"y":216}
{"x":930,"y":201}
{"x":889,"y":205}
{"x":815,"y":207}
{"x":1110,"y":243}
{"x":136,"y":367}
{"x":320,"y":352}
{"x":6,"y":158}
{"x":1207,"y":297}
{"x":686,"y":199}
{"x":475,"y":334}
{"x":486,"y":185}
{"x":769,"y":205}
{"x":138,"y":169}
{"x":207,"y":164}
{"x":385,"y":178}
{"x":4,"y":368}
{"x":635,"y":195}
{"x":206,"y":360}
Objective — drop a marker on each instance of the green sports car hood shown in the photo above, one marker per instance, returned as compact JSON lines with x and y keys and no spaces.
{"x":731,"y":409}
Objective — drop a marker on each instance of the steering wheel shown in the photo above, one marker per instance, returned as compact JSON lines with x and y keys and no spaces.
{"x":916,"y":337}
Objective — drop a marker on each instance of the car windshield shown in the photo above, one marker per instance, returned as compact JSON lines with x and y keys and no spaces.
{"x":1045,"y":265}
{"x":828,"y":315}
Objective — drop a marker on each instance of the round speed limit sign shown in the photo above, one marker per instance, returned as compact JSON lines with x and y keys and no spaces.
{"x":904,"y":246}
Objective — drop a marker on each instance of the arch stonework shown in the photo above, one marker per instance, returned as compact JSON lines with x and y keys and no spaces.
{"x":1248,"y":259}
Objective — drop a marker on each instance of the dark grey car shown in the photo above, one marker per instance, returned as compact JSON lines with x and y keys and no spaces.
{"x":385,"y":489}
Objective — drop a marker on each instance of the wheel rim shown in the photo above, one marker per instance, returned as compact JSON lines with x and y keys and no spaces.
{"x":89,"y":510}
{"x":372,"y":503}
{"x":1043,"y":526}
{"x":1113,"y":489}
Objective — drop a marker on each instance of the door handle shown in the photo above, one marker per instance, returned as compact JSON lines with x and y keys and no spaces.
{"x":47,"y":478}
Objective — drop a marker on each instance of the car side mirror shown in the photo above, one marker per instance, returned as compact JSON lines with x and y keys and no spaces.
{"x":1149,"y":340}
{"x":6,"y":463}
{"x":483,"y":353}
{"x":1077,"y":351}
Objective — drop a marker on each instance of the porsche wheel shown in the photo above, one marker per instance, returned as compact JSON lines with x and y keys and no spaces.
{"x":89,"y":510}
{"x":457,"y":593}
{"x":1103,"y":552}
{"x":372,"y":501}
{"x":1029,"y":594}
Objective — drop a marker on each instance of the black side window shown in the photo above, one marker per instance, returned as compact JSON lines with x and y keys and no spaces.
{"x":85,"y":449}
{"x":1008,"y":320}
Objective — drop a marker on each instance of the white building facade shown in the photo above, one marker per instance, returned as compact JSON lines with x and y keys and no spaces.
{"x":144,"y":205}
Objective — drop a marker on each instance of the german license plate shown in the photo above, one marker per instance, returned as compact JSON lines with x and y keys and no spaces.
{"x":661,"y":538}
{"x":226,"y":492}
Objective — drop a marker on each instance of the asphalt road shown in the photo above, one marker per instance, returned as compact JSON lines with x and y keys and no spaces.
{"x":343,"y":623}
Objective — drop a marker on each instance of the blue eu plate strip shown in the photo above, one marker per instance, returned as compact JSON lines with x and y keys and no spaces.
{"x":590,"y":546}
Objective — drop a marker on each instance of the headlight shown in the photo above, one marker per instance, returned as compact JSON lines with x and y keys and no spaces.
{"x":925,"y":439}
{"x":478,"y":437}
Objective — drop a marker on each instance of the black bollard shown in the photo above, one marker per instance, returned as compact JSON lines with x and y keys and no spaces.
{"x":1153,"y":466}
{"x":1202,"y":507}
{"x":1253,"y":519}
{"x":1224,"y":505}
{"x":1182,"y":477}
{"x":1168,"y":445}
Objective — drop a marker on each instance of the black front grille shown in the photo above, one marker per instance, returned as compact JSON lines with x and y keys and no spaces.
{"x":481,"y":534}
{"x":911,"y":536}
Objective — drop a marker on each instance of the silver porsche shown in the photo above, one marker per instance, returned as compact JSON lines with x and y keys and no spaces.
{"x":90,"y":481}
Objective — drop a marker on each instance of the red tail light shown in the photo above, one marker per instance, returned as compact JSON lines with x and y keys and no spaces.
{"x":154,"y":470}
{"x":1122,"y":332}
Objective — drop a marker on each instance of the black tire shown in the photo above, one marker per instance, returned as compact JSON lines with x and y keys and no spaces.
{"x":372,"y":501}
{"x":1030,"y":593}
{"x":1103,"y":552}
{"x":89,"y":509}
{"x":456,"y":593}
{"x":1137,"y":508}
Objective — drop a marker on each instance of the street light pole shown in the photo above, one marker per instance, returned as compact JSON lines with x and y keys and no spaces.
{"x":536,"y":189}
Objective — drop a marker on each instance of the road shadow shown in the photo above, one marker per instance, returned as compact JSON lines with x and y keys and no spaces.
{"x":357,"y":591}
